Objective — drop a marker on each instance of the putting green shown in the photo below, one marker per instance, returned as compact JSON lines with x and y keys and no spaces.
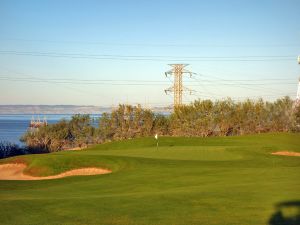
{"x":229,"y":180}
{"x":198,"y":153}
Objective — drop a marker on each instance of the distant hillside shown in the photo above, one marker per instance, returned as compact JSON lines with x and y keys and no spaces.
{"x":63,"y":109}
{"x":52,"y":109}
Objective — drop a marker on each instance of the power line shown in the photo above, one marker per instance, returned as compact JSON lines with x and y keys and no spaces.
{"x":137,"y":82}
{"x":204,"y":87}
{"x":238,"y":84}
{"x":149,"y":57}
{"x":163,"y":81}
{"x":68,"y":87}
{"x":234,"y":83}
{"x":180,"y":45}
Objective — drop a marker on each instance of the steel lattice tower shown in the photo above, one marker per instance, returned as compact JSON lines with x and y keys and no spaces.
{"x":177,"y":71}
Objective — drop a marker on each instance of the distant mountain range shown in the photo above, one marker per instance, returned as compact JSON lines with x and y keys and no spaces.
{"x":62,"y":109}
{"x":52,"y":109}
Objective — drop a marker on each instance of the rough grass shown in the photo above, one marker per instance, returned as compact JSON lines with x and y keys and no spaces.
{"x":231,"y":180}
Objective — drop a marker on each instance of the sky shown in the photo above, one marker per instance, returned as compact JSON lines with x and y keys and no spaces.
{"x":110,"y":52}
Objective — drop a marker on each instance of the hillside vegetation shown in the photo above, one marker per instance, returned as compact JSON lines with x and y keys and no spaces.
{"x":202,"y":118}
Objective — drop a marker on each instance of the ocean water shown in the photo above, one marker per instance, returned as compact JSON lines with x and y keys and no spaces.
{"x":12,"y":127}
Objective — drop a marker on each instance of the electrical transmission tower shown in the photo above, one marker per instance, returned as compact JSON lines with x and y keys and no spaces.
{"x":178,"y":70}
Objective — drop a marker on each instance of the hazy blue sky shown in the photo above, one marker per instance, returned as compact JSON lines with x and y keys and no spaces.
{"x":40,"y":42}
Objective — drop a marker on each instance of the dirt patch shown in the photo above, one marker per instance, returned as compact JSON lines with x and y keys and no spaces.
{"x":75,"y":149}
{"x":16,"y":172}
{"x":286,"y":153}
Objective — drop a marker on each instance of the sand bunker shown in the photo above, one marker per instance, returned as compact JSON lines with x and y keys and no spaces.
{"x":15,"y":172}
{"x":286,"y":153}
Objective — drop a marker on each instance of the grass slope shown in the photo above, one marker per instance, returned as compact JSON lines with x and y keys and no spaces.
{"x":230,"y":180}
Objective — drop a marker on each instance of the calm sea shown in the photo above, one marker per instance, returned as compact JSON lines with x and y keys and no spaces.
{"x":12,"y":127}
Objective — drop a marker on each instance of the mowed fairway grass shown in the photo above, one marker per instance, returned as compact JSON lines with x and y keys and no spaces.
{"x":219,"y":180}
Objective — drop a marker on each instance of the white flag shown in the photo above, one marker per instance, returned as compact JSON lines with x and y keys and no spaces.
{"x":156,"y":136}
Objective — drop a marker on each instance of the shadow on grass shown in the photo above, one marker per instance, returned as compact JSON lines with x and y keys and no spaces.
{"x":287,"y":213}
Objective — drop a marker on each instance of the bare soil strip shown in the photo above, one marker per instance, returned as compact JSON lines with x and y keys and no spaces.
{"x":16,"y":172}
{"x":286,"y":153}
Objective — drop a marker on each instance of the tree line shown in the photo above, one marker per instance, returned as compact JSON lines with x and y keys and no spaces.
{"x":201,"y":118}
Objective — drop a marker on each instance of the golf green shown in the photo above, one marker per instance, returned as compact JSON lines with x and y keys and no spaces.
{"x":218,"y":180}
